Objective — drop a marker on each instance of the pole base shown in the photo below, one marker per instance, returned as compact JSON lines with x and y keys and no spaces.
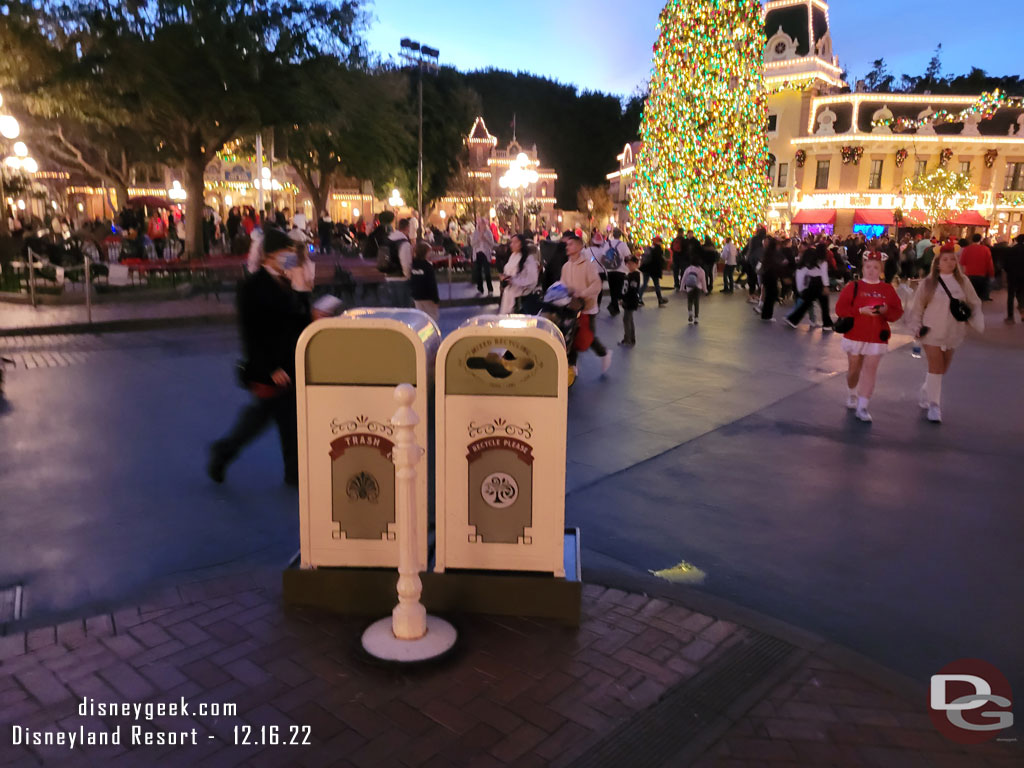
{"x":380,"y":641}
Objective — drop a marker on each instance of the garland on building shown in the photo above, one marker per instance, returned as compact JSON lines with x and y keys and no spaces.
{"x":990,"y":158}
{"x":852,"y":155}
{"x":943,"y":193}
{"x":703,"y":163}
{"x":945,"y":156}
{"x":791,"y":85}
{"x":984,"y":108}
{"x":901,"y":157}
{"x":801,"y":158}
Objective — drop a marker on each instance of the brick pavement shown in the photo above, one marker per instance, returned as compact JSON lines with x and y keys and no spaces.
{"x":517,"y":692}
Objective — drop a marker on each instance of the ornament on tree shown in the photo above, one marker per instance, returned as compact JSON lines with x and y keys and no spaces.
{"x":701,"y":166}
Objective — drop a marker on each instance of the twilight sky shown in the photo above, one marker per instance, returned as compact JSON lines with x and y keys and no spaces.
{"x":606,"y":45}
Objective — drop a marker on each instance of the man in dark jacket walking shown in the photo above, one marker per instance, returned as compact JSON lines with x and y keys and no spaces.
{"x":1013,"y":265}
{"x":652,"y":267}
{"x":271,"y":319}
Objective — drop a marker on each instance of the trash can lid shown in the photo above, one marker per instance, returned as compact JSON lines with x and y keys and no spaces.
{"x":502,"y":323}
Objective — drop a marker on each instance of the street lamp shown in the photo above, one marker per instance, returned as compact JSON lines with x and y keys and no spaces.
{"x":396,"y":201}
{"x":519,"y":177}
{"x":421,"y":56}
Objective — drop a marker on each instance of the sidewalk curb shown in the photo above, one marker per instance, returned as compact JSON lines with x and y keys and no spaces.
{"x":159,"y":323}
{"x":629,"y":580}
{"x":116,"y":326}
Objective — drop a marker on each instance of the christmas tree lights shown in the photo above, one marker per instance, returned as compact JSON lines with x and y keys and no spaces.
{"x":703,"y":163}
{"x":944,"y":194}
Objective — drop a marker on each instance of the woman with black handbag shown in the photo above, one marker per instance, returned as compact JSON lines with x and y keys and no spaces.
{"x":944,"y":305}
{"x":865,"y":309}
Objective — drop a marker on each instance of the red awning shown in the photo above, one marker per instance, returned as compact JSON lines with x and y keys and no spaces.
{"x":915,"y":215}
{"x":150,"y":201}
{"x":969,"y":219}
{"x":809,"y":216}
{"x":873,"y":217}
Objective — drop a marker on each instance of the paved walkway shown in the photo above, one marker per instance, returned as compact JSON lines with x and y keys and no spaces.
{"x":696,"y":447}
{"x":516,"y":693}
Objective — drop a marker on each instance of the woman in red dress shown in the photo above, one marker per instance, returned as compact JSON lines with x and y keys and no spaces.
{"x":872,"y":304}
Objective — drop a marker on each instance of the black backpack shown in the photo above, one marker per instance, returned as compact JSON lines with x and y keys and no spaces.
{"x":387,"y":256}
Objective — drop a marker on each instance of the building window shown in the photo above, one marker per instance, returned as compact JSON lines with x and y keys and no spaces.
{"x":783,"y":174}
{"x":922,"y":168}
{"x":1014,"y":177}
{"x":965,"y":167}
{"x":821,"y":180}
{"x":773,"y":123}
{"x":543,"y":190}
{"x":875,"y":179}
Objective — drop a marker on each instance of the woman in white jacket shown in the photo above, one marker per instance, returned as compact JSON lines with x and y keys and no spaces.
{"x":931,"y":321}
{"x":520,"y":275}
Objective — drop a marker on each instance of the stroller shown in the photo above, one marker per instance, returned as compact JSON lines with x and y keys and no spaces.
{"x":556,"y":306}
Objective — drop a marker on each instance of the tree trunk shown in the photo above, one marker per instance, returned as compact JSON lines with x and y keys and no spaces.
{"x":121,"y":191}
{"x":317,"y":198}
{"x":195,"y":166}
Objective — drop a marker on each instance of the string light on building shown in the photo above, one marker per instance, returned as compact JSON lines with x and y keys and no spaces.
{"x":176,"y":193}
{"x":703,"y":162}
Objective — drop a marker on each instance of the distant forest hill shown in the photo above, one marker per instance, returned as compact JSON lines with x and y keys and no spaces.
{"x":977,"y":81}
{"x":578,"y":133}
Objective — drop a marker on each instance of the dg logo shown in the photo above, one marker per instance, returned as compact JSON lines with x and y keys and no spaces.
{"x":969,"y":701}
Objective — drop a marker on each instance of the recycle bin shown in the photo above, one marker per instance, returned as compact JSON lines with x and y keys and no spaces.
{"x":501,"y":418}
{"x":346,"y":371}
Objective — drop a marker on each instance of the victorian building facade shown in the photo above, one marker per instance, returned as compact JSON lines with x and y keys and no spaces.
{"x":838,"y":165}
{"x":479,"y":192}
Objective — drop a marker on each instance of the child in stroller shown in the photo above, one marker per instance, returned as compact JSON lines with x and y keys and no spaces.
{"x":560,"y":309}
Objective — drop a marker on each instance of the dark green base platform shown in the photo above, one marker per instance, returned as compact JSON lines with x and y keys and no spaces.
{"x":371,"y":591}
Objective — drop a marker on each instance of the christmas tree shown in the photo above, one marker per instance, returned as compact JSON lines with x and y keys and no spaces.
{"x":703,"y":164}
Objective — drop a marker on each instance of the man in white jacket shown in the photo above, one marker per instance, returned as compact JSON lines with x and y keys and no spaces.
{"x":583,"y":279}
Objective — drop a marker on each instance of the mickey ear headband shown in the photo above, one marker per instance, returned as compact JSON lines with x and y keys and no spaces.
{"x":875,"y":256}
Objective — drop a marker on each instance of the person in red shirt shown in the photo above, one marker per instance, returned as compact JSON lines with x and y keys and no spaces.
{"x":872,"y":304}
{"x":976,"y":262}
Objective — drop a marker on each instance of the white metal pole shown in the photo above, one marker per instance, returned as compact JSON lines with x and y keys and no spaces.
{"x":409,"y":618}
{"x":32,"y":277}
{"x":88,"y":289}
{"x":409,"y":635}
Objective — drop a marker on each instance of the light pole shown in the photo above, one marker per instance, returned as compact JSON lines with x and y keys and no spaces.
{"x":518,"y":178}
{"x":421,"y":56}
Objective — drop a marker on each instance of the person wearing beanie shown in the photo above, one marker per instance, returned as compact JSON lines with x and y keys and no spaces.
{"x":931,"y":320}
{"x":271,"y":319}
{"x":872,"y":304}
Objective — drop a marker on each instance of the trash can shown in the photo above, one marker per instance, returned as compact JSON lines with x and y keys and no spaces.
{"x":501,"y":400}
{"x":346,"y":370}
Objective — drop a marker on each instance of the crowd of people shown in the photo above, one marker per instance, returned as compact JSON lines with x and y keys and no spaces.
{"x":938,"y":288}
